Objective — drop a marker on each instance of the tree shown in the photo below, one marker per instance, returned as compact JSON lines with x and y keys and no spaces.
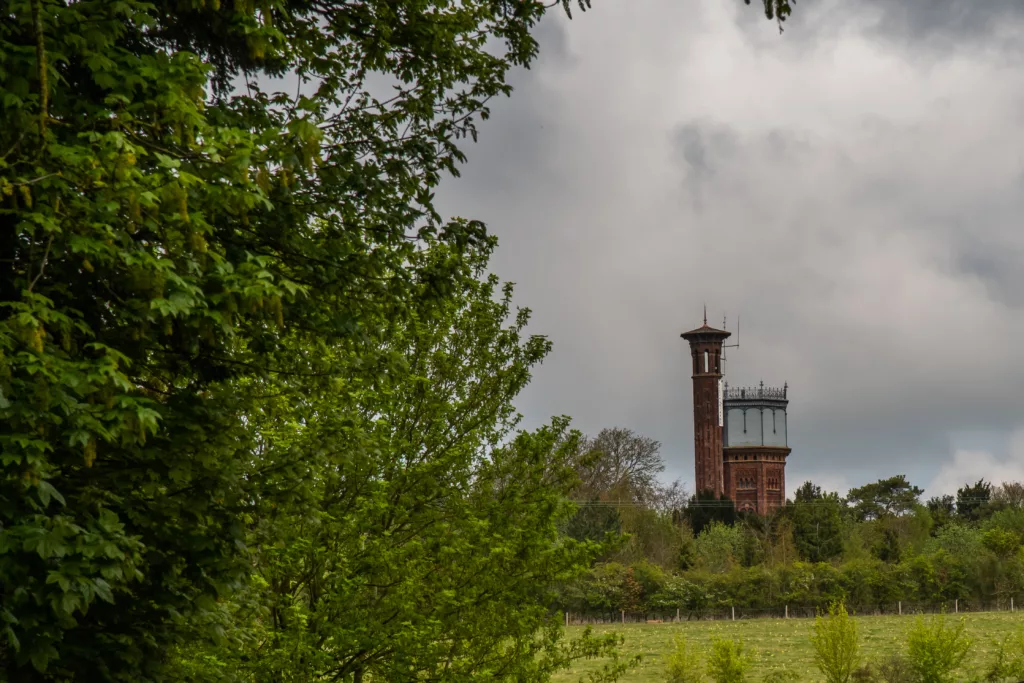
{"x":891,"y":497}
{"x":807,"y":492}
{"x":942,"y":509}
{"x":705,"y":508}
{"x":175,"y":255}
{"x":836,"y":644}
{"x":620,"y":465}
{"x":719,"y":547}
{"x":972,"y":502}
{"x":172,"y":253}
{"x":1009,"y":494}
{"x":817,"y":523}
{"x":422,"y":519}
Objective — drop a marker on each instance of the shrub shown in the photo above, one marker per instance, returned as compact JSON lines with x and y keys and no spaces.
{"x":864,"y":674}
{"x":727,"y":663}
{"x":936,"y":650}
{"x":836,"y":646}
{"x":895,"y":669}
{"x":780,"y":676}
{"x":684,"y":664}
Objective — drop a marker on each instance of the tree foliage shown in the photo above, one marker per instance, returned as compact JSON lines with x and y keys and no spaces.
{"x":817,"y":523}
{"x":836,"y":644}
{"x":174,"y":251}
{"x":936,"y":650}
{"x":890,"y":497}
{"x":424,"y":530}
{"x":207,"y":286}
{"x":620,"y":465}
{"x":973,"y":501}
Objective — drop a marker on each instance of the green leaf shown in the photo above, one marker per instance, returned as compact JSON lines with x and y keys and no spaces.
{"x":47,"y":491}
{"x":103,"y":590}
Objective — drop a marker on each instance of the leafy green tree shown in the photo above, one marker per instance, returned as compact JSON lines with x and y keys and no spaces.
{"x":1001,"y":542}
{"x":180,"y":244}
{"x":836,"y":644}
{"x":973,"y":501}
{"x":942,"y":509}
{"x":422,"y":518}
{"x":817,"y":523}
{"x":890,"y":497}
{"x":705,"y":508}
{"x":728,"y":661}
{"x":594,"y":520}
{"x":173,"y":252}
{"x":936,"y":650}
{"x":720,"y":547}
{"x":684,"y":663}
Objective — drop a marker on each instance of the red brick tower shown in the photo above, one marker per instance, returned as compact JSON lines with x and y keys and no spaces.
{"x":706,"y":351}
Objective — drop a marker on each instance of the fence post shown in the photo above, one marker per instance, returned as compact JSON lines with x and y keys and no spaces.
{"x":677,"y":614}
{"x":567,"y":618}
{"x":787,"y":612}
{"x":900,"y":607}
{"x":1011,"y":604}
{"x":623,"y":616}
{"x":734,"y":612}
{"x":956,"y":606}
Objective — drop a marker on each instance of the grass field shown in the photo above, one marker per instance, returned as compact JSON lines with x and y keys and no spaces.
{"x":785,"y":643}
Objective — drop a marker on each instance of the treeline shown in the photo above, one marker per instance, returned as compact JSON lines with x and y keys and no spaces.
{"x":875,"y":547}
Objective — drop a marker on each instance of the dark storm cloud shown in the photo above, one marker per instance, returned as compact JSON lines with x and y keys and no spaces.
{"x":852,"y":192}
{"x":944,"y":23}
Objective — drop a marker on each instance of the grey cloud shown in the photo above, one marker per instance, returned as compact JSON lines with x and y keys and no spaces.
{"x":944,"y":23}
{"x":857,"y":208}
{"x":1000,"y":268}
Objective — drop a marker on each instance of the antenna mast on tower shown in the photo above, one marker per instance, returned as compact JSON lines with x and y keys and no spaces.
{"x":731,"y":346}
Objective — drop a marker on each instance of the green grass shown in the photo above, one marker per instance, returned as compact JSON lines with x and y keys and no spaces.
{"x":784,"y":643}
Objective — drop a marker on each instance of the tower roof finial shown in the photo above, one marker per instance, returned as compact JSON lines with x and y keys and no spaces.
{"x":705,"y":314}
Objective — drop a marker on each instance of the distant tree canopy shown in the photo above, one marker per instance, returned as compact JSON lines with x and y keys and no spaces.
{"x":974,"y":502}
{"x":890,"y":497}
{"x":817,"y":523}
{"x":620,"y":465}
{"x":819,"y":548}
{"x":706,"y":508}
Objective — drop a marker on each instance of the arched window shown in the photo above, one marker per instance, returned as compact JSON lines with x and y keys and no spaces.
{"x":706,"y":362}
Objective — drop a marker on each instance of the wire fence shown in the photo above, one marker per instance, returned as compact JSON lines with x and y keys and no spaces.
{"x":898,"y":608}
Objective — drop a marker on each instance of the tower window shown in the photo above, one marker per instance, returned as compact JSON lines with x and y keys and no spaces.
{"x":706,"y":361}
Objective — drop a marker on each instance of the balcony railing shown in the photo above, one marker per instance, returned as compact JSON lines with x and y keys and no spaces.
{"x":755,"y":393}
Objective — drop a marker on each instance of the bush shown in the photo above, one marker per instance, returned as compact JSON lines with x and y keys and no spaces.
{"x":895,"y":669}
{"x":728,"y":663}
{"x":780,"y":676}
{"x":864,"y":674}
{"x":836,"y":646}
{"x":684,"y":664}
{"x":935,"y":650}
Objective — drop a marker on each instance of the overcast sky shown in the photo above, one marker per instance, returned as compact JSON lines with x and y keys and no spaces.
{"x":853,"y":189}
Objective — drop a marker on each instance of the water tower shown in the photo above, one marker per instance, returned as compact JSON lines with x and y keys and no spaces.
{"x":756,"y":447}
{"x":740,"y":437}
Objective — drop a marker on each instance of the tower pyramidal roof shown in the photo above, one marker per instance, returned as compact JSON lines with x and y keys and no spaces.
{"x":705,"y":331}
